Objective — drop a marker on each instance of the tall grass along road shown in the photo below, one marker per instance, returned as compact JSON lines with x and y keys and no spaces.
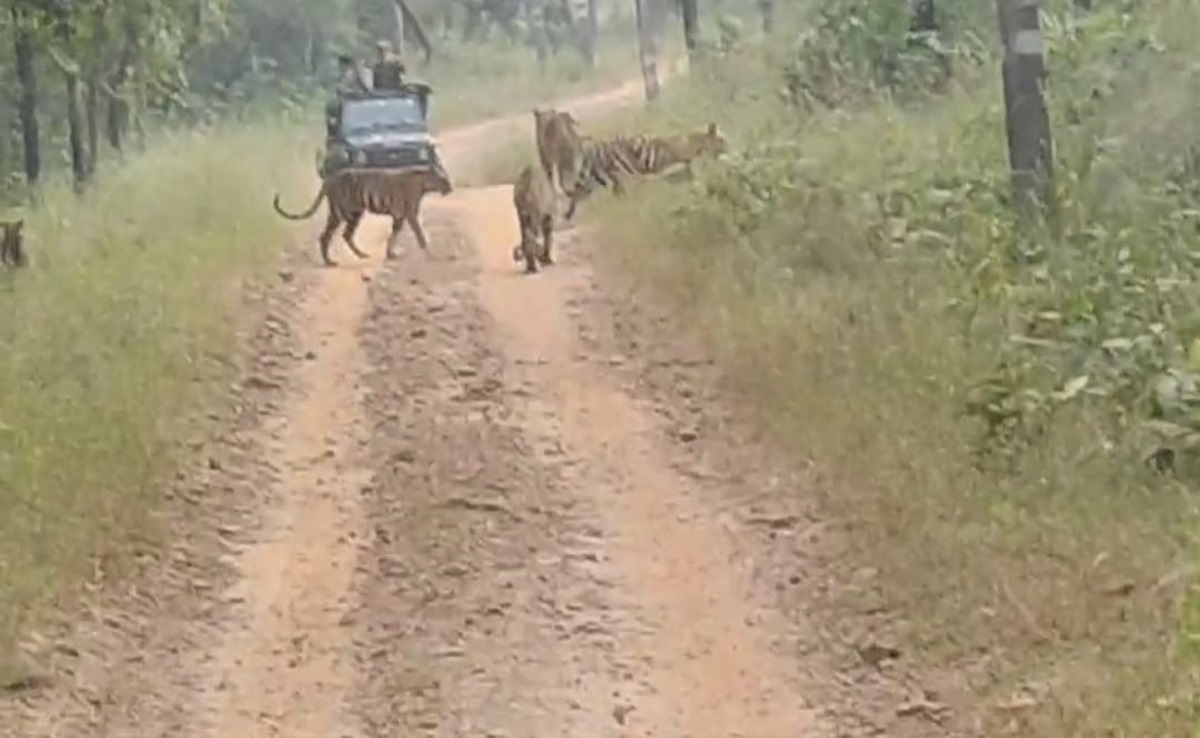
{"x":1000,"y":417}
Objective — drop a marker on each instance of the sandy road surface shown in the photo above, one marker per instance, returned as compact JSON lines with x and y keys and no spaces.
{"x":459,"y":501}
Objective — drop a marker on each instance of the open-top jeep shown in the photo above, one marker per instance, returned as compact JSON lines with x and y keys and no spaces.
{"x":384,"y":129}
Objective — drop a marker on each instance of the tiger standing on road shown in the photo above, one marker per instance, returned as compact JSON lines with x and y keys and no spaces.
{"x":556,"y":133}
{"x":603,"y":162}
{"x":354,"y":192}
{"x":536,"y":203}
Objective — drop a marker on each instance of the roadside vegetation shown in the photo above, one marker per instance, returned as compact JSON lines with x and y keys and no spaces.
{"x":1010,"y":417}
{"x":145,"y":180}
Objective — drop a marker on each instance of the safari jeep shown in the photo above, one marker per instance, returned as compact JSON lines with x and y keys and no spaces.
{"x":383,"y":129}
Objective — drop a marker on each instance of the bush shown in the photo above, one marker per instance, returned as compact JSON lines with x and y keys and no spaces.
{"x":987,"y":393}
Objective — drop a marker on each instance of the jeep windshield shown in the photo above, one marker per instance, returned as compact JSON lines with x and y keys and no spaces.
{"x":397,"y":113}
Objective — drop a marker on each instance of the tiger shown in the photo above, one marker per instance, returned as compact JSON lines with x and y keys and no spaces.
{"x":354,"y":192}
{"x":603,"y":162}
{"x":535,"y":202}
{"x":12,"y":243}
{"x":558,"y":142}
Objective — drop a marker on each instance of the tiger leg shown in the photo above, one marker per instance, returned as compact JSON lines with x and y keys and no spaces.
{"x":618,"y":187}
{"x":352,"y":221}
{"x":331,"y":224}
{"x":572,"y":202}
{"x":547,"y":226}
{"x":527,"y":248}
{"x":394,"y":236}
{"x":414,"y":220}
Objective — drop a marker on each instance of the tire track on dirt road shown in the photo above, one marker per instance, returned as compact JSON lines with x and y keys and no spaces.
{"x":446,"y":511}
{"x":244,"y":628}
{"x":713,"y":661}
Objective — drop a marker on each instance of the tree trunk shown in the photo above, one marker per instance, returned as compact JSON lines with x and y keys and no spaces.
{"x":691,"y":20}
{"x":767,"y":8}
{"x":79,"y":157}
{"x":27,"y":76}
{"x":647,"y":50}
{"x":91,"y":116}
{"x":409,"y":25}
{"x":592,"y":30}
{"x":118,"y":103}
{"x":92,"y":81}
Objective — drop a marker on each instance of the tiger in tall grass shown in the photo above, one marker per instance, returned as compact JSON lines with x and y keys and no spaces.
{"x":605,"y":162}
{"x":12,"y":243}
{"x":352,"y":193}
{"x":536,"y":203}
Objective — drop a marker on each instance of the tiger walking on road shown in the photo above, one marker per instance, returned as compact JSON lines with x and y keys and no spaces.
{"x":352,"y":193}
{"x":536,"y":203}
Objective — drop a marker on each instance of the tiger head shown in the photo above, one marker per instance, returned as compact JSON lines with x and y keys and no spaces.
{"x":551,"y":123}
{"x":708,"y":142}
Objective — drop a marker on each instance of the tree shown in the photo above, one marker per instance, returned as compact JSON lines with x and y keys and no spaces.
{"x":23,"y":51}
{"x":691,"y":19}
{"x":647,"y":48}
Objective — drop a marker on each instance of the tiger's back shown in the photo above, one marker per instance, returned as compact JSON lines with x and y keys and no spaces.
{"x":535,"y":202}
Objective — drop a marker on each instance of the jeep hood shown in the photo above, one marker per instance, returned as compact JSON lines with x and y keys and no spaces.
{"x":387,"y":139}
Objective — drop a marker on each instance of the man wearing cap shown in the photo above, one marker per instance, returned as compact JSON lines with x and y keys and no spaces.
{"x":387,"y":73}
{"x":350,"y":76}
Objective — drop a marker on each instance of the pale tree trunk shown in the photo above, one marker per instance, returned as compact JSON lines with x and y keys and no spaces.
{"x":27,"y":106}
{"x":691,"y":20}
{"x":647,"y":49}
{"x":593,"y":29}
{"x":767,"y":8}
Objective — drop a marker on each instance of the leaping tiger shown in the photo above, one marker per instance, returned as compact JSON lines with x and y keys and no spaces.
{"x":604,"y":162}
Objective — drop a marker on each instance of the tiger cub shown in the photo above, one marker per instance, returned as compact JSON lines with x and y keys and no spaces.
{"x":535,"y":201}
{"x":12,"y":243}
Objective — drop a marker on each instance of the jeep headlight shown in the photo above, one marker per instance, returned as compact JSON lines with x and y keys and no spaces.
{"x":339,"y":155}
{"x":423,"y":153}
{"x":359,"y":158}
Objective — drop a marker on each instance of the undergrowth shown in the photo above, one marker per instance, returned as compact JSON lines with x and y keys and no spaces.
{"x":124,"y":323}
{"x":1010,"y":414}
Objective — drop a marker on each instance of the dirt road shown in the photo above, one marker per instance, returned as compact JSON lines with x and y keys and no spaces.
{"x":460,"y":501}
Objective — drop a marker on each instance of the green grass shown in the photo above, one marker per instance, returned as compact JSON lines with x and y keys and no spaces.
{"x":858,"y":266}
{"x":111,"y":332}
{"x":484,"y":80}
{"x":125,"y":323}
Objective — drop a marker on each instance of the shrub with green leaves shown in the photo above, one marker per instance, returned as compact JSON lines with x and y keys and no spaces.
{"x":1011,"y":414}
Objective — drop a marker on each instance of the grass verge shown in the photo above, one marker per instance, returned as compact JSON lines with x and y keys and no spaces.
{"x":479,"y":81}
{"x":124,"y":325}
{"x":111,"y":335}
{"x":985,"y":394}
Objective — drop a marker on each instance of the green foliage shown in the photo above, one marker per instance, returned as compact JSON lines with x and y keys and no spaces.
{"x":852,"y":48}
{"x":1002,"y":408}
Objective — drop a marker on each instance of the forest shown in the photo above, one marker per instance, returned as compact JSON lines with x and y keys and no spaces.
{"x":83,"y":77}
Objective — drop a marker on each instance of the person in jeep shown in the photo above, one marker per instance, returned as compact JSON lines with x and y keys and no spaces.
{"x":350,"y":77}
{"x":387,"y":73}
